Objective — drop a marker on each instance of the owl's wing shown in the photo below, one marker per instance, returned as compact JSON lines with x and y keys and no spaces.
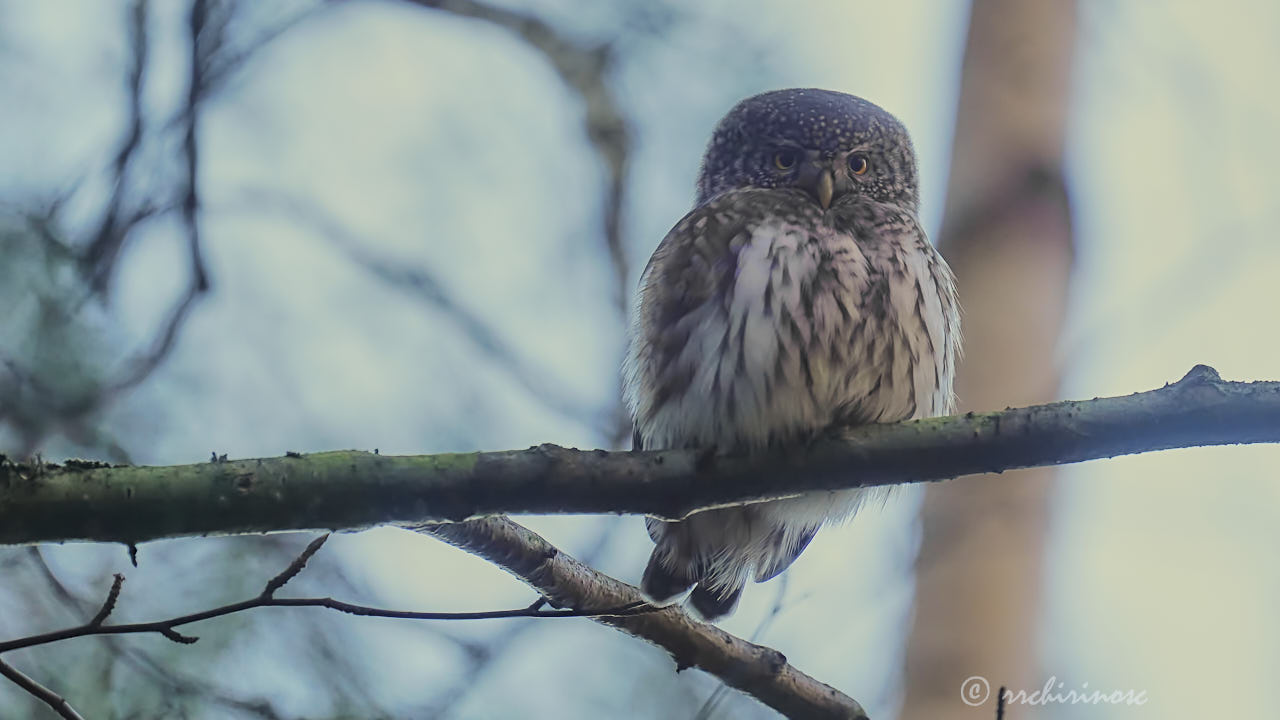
{"x":697,"y":259}
{"x":695,"y":267}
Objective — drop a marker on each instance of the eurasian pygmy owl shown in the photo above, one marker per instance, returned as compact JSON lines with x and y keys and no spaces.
{"x":800,"y":293}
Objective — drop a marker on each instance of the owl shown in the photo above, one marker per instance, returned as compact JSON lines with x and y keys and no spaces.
{"x":800,"y":293}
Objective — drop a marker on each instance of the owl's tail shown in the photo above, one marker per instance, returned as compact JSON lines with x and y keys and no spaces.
{"x":686,"y":556}
{"x":715,"y":552}
{"x":667,"y":577}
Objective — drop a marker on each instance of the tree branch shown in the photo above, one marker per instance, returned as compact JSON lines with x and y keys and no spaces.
{"x":348,"y":490}
{"x":572,"y":587}
{"x":40,"y":692}
{"x":267,"y":598}
{"x":754,"y":669}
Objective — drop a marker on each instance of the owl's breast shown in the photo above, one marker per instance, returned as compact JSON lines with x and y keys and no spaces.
{"x":807,"y":327}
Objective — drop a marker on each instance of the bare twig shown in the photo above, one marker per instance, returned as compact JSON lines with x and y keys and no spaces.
{"x":40,"y":692}
{"x":110,"y":603}
{"x":168,"y":628}
{"x":294,"y":568}
{"x":355,"y":489}
{"x":565,"y":583}
{"x":172,"y":680}
{"x":266,"y":598}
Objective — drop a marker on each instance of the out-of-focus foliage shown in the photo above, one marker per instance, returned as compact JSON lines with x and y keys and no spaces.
{"x":399,"y":212}
{"x":57,"y":348}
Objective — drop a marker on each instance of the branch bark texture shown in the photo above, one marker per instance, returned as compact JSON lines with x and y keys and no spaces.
{"x":351,"y":490}
{"x":759,"y":671}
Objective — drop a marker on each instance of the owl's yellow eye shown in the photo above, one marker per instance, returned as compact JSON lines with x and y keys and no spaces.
{"x":785,"y":159}
{"x":858,"y":164}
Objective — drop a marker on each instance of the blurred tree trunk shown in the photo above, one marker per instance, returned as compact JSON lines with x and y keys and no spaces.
{"x":1007,"y":233}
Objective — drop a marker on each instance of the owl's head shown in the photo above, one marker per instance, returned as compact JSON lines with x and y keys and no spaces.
{"x":836,"y":147}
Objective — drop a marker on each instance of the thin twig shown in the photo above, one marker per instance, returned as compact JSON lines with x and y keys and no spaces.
{"x":266,"y":598}
{"x":40,"y":692}
{"x":110,"y":604}
{"x":294,"y":568}
{"x":172,"y":681}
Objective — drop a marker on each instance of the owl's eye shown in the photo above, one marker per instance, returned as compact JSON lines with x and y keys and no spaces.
{"x":785,"y":159}
{"x":858,"y":164}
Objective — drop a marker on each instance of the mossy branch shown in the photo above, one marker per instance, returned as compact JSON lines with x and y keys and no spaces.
{"x":350,"y":490}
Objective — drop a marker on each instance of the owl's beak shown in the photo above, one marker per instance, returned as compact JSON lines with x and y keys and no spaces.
{"x":825,"y":188}
{"x":820,"y":182}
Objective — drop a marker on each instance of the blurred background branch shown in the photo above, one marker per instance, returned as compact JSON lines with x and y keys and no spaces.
{"x":417,"y":223}
{"x":586,"y":69}
{"x":36,"y":397}
{"x":421,"y":283}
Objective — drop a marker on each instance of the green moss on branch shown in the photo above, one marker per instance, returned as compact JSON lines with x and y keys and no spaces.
{"x":352,"y":489}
